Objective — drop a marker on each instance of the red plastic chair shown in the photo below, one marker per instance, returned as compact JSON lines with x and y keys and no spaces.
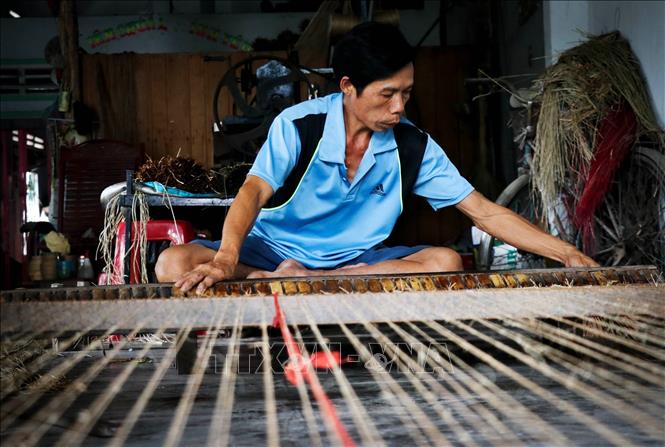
{"x":178,"y":232}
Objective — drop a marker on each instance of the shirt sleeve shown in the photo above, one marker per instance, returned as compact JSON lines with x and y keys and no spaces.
{"x":279,"y":153}
{"x":439,"y":181}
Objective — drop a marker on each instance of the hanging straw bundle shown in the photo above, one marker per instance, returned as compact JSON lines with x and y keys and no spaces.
{"x":595,"y":85}
{"x":113,"y":216}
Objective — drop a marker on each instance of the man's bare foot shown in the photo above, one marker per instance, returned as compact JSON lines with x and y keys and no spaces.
{"x":288,"y":268}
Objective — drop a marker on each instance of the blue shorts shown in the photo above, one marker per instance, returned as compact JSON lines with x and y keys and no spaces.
{"x":256,"y":253}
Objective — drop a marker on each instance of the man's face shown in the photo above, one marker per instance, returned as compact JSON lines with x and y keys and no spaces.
{"x":382,"y":102}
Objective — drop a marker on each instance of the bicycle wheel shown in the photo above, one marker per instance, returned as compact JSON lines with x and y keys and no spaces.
{"x":518,"y":198}
{"x":629,"y":226}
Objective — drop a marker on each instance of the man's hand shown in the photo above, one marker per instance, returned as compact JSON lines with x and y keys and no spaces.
{"x":207,"y":274}
{"x":575,"y":258}
{"x":251,"y":197}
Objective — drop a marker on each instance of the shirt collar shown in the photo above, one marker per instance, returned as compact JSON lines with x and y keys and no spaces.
{"x":334,"y":138}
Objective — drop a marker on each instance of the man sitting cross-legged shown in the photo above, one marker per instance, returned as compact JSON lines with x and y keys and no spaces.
{"x":328,"y":185}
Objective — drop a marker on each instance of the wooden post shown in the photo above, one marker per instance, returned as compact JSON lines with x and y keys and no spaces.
{"x":5,"y":219}
{"x":68,"y":32}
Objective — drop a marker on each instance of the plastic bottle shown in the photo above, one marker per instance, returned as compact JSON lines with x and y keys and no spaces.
{"x":85,"y":268}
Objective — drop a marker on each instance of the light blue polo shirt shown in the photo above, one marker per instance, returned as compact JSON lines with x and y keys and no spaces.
{"x":330,"y":220}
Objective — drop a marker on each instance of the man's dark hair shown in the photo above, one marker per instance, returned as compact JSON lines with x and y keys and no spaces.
{"x":369,"y":52}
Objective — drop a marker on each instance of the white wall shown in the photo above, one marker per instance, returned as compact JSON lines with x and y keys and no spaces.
{"x":641,"y":22}
{"x":32,"y":34}
{"x":563,"y":21}
{"x":25,"y":38}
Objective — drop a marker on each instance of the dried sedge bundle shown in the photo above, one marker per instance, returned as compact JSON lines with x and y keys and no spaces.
{"x":16,"y":372}
{"x":106,"y":247}
{"x":178,"y":172}
{"x":231,"y":177}
{"x":140,"y":217}
{"x":189,"y":175}
{"x":578,"y":91}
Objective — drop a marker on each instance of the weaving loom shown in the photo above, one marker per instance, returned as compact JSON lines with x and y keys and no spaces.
{"x":540,"y":357}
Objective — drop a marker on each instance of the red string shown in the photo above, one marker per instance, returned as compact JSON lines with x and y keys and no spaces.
{"x":297,"y":364}
{"x":615,"y":138}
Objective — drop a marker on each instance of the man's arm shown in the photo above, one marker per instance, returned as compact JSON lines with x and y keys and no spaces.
{"x":512,"y":228}
{"x":251,"y":197}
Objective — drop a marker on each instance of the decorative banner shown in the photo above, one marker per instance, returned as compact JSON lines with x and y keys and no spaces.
{"x":132,"y":28}
{"x":212,"y":34}
{"x":204,"y":31}
{"x":237,"y":42}
{"x":98,"y":38}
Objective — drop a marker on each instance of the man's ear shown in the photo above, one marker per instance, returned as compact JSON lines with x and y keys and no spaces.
{"x":346,"y":86}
